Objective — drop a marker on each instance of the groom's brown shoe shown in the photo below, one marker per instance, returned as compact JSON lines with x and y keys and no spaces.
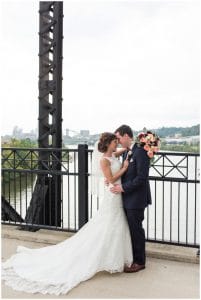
{"x":134,"y":268}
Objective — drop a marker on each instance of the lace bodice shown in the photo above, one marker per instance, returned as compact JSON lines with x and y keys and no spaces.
{"x":112,"y":201}
{"x":115,"y":166}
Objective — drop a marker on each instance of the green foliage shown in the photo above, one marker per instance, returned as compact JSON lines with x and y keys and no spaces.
{"x":19,"y":159}
{"x":24,"y":143}
{"x":195,"y":147}
{"x":184,"y":131}
{"x":66,"y":157}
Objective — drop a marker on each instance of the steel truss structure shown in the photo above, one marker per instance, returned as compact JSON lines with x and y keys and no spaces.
{"x":48,"y":196}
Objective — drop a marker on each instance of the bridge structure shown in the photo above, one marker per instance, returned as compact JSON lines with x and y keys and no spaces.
{"x":71,"y":131}
{"x":50,"y":114}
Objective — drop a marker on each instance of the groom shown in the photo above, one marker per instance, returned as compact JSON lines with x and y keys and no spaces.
{"x":136,"y":194}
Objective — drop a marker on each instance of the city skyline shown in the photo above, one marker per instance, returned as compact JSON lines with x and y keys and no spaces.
{"x":66,"y":131}
{"x":131,"y":62}
{"x":186,"y":137}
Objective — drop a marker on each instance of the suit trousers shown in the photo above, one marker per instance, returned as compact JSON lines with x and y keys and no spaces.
{"x":135,"y":218}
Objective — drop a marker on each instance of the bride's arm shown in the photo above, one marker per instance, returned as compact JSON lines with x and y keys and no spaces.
{"x":105,"y":166}
{"x":119,"y":152}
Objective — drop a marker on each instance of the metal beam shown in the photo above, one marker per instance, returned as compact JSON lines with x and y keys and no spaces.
{"x":50,"y":74}
{"x":45,"y":205}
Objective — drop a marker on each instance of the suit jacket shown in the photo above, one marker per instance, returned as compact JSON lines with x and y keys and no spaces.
{"x":135,"y":182}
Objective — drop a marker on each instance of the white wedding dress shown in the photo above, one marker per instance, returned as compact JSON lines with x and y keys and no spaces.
{"x":102,"y":244}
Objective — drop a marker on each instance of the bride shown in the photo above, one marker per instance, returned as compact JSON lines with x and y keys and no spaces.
{"x":102,"y":244}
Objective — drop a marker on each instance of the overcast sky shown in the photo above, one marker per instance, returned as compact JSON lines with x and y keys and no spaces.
{"x":133,"y":62}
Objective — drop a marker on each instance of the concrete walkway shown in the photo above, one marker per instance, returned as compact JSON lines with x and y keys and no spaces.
{"x":174,"y":276}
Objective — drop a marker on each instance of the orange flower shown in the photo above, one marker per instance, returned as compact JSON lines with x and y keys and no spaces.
{"x":146,"y":147}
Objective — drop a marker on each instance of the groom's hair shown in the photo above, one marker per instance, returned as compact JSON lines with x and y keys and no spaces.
{"x":124,"y":129}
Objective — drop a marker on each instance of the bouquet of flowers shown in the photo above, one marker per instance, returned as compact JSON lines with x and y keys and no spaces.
{"x":149,"y":141}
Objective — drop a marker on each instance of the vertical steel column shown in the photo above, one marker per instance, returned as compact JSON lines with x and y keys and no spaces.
{"x":50,"y":74}
{"x":57,"y":75}
{"x":45,"y":206}
{"x":50,"y":98}
{"x":82,"y":185}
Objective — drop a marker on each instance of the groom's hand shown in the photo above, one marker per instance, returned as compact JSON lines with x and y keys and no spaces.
{"x":117,"y":189}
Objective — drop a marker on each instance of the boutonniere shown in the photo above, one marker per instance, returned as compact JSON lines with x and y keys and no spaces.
{"x":129,"y":155}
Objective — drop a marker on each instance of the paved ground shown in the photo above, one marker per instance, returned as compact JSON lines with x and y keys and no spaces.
{"x":162,"y":278}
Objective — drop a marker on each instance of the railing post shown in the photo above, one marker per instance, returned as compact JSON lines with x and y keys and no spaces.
{"x":82,"y":185}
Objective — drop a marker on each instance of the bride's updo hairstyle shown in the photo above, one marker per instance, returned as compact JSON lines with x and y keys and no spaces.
{"x":105,"y":139}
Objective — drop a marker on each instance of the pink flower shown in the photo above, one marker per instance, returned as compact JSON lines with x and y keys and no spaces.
{"x":141,"y":134}
{"x":146,"y":147}
{"x":143,"y":140}
{"x":150,"y":153}
{"x":149,"y":141}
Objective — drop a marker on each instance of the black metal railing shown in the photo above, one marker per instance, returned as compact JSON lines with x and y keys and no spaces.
{"x":20,"y":169}
{"x":174,"y":214}
{"x":172,"y":218}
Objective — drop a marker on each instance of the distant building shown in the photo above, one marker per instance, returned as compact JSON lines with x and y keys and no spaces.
{"x":67,"y":132}
{"x":17,"y":132}
{"x":5,"y":139}
{"x":177,"y":135}
{"x":187,"y":139}
{"x":84,"y":133}
{"x":194,"y":139}
{"x":29,"y":135}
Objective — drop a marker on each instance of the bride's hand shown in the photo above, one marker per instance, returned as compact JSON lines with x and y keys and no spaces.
{"x":125,"y":164}
{"x":106,"y":182}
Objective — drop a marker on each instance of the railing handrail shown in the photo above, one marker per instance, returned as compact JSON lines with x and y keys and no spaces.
{"x":39,"y":149}
{"x":172,"y":153}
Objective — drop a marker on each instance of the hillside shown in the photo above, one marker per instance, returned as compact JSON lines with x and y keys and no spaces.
{"x":184,"y":131}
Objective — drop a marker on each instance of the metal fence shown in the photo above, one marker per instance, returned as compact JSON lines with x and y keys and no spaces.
{"x":172,"y":218}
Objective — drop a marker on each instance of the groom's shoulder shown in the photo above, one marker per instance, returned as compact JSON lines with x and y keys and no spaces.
{"x":138,"y":148}
{"x":139,"y":151}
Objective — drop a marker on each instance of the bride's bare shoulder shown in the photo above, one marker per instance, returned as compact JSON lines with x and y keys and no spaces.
{"x":105,"y":161}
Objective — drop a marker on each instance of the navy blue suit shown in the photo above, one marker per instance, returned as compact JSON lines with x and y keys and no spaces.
{"x":137,"y":196}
